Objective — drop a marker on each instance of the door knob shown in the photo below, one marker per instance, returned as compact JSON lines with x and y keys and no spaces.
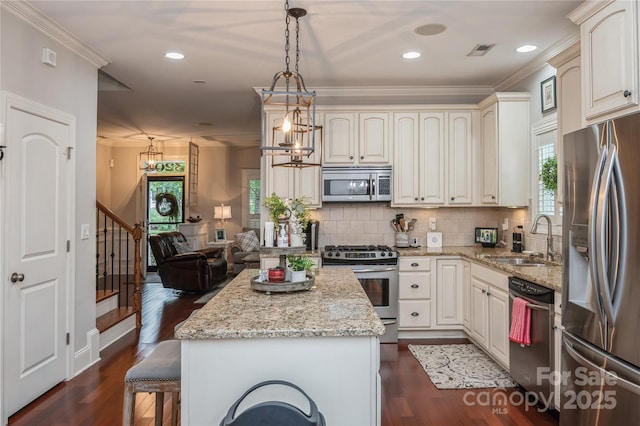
{"x":15,"y":277}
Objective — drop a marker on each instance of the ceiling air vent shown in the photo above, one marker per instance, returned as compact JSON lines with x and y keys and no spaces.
{"x":480,"y":49}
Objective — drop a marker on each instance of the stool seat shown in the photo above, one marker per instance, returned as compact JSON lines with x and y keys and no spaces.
{"x":159,"y":372}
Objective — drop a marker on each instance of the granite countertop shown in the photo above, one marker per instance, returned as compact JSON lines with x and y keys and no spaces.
{"x":548,"y":276}
{"x":335,"y":306}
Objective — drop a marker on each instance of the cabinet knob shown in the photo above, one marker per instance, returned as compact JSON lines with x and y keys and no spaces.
{"x":362,"y":157}
{"x":488,"y":294}
{"x":416,"y":199}
{"x":414,"y":264}
{"x":421,"y":198}
{"x":351,"y":157}
{"x":484,"y":291}
{"x":493,"y":197}
{"x":414,"y":314}
{"x":627,"y":93}
{"x":414,"y":286}
{"x":453,"y":198}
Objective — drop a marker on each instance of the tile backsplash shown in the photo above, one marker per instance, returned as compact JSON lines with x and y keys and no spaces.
{"x":370,"y":224}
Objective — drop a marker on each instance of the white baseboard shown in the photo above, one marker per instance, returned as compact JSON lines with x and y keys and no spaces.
{"x":118,"y":331}
{"x":89,"y":355}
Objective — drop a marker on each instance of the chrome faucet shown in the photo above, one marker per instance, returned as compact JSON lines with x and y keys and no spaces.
{"x":534,"y":228}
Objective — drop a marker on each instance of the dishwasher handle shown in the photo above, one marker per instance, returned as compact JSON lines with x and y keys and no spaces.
{"x":530,"y":305}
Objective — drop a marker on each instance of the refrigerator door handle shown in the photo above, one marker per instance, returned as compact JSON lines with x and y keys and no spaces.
{"x":593,"y":235}
{"x":607,"y":245}
{"x":611,"y":376}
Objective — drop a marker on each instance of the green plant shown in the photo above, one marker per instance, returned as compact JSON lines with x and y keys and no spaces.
{"x":276,"y":207}
{"x":549,"y":174}
{"x":300,"y":263}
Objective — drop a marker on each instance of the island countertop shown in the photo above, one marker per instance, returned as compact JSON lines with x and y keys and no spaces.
{"x":335,"y":306}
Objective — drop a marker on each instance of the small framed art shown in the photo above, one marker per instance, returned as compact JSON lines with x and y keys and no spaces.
{"x":221,"y":234}
{"x":548,"y":92}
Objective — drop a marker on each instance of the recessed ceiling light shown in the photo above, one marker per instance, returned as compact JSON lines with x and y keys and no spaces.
{"x":411,"y":55}
{"x":430,"y":29}
{"x":526,"y":48}
{"x":174,"y":55}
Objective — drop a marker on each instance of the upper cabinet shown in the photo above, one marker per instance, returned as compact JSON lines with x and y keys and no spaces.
{"x":289,"y":182}
{"x":353,"y":139}
{"x":505,"y":149}
{"x":569,"y":102}
{"x":433,"y":154}
{"x":609,"y":52}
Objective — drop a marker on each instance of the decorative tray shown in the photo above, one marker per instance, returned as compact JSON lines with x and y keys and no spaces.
{"x":282,"y":286}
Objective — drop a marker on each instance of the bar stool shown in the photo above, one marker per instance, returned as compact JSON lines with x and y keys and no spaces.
{"x":159,"y":372}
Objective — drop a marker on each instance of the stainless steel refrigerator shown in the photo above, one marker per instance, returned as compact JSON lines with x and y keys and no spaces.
{"x":601,"y":274}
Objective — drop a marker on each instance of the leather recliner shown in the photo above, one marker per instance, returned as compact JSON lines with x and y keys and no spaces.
{"x":198,"y":270}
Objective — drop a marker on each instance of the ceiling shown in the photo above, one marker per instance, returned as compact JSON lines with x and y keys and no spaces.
{"x":350,"y":54}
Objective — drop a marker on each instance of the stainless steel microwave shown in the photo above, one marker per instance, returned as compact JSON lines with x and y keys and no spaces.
{"x":356,"y":184}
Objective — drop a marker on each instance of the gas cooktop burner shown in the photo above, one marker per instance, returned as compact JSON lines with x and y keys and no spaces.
{"x":358,"y":254}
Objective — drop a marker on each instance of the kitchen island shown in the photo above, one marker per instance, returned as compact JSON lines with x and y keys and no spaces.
{"x":324,"y":340}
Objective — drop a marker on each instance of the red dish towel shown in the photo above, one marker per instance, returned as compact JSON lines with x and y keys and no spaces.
{"x":520,"y":322}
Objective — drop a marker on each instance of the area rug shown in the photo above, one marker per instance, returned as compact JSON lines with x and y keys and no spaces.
{"x":208,"y":296}
{"x":460,"y":367}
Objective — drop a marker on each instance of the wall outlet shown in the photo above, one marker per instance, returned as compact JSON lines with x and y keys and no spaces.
{"x":84,"y":231}
{"x":432,"y":223}
{"x":505,"y":224}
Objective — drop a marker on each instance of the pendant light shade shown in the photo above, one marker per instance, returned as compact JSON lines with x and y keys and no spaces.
{"x":150,"y":157}
{"x":293,"y":139}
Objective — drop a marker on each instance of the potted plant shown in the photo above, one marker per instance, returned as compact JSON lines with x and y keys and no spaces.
{"x":299,"y":265}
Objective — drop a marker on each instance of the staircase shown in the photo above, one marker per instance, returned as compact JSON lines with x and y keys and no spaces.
{"x":118,"y":276}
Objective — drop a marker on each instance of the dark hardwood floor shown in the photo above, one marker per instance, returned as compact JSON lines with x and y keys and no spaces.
{"x":409,"y":398}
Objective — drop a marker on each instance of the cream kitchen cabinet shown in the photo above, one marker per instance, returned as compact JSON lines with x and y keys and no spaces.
{"x":433,"y":154}
{"x":505,"y":146}
{"x":609,"y":58}
{"x":416,"y":285}
{"x":449,"y":292}
{"x":353,"y":138}
{"x":466,"y":295}
{"x":569,"y":102}
{"x":490,"y":312}
{"x":289,"y":182}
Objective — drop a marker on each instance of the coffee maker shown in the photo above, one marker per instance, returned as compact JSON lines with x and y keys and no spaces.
{"x":313,"y":227}
{"x":518,"y":241}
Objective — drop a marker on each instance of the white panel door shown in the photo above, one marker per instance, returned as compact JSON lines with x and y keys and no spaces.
{"x":449,"y":292}
{"x":339,"y":138}
{"x":479,"y":311}
{"x":489,"y":157}
{"x":405,"y":159}
{"x":432,"y":157}
{"x":460,"y":141}
{"x":373,"y":143}
{"x":35,"y":352}
{"x":499,"y":324}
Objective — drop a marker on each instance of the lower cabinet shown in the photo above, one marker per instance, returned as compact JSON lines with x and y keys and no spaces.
{"x":449,"y":291}
{"x":415,"y":280}
{"x":557,"y":349}
{"x":490,"y":311}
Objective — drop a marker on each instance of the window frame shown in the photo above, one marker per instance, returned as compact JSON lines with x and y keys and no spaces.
{"x":247,"y":175}
{"x":537,"y":131}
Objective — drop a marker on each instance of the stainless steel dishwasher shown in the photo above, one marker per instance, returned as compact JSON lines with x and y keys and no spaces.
{"x":526,"y":362}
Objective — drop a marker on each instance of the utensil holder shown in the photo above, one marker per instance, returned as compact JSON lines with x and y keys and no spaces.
{"x":402,"y":239}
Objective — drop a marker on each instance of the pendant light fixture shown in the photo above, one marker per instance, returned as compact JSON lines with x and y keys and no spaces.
{"x":294,"y":139}
{"x":150,"y":157}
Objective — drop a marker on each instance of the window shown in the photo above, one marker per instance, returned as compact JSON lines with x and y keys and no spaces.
{"x":251,"y":202}
{"x":545,"y":136}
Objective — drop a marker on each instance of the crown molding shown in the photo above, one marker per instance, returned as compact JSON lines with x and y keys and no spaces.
{"x":538,"y":62}
{"x":405,"y":92}
{"x":42,"y":23}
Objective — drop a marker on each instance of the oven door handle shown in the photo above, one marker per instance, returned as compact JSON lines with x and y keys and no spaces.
{"x":531,"y":305}
{"x":359,"y":271}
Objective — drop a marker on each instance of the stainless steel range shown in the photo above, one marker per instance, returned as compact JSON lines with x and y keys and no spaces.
{"x":376,"y":267}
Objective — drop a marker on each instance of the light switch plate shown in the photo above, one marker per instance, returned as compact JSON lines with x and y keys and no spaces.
{"x":432,"y":223}
{"x":84,"y":231}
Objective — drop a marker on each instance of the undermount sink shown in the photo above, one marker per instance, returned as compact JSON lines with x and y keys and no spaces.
{"x":519,"y":261}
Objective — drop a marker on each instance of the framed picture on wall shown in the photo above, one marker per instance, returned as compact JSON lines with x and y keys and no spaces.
{"x":221,"y":234}
{"x":548,"y":92}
